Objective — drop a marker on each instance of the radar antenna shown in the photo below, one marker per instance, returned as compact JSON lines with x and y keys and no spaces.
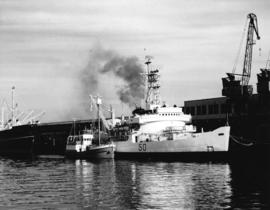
{"x":152,"y":99}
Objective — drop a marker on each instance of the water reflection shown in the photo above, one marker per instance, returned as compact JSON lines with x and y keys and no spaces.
{"x":176,"y":185}
{"x":153,"y":185}
{"x":250,"y":183}
{"x":95,"y":183}
{"x":120,"y":184}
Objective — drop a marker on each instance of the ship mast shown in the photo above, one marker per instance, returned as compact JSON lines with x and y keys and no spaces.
{"x":12,"y":105}
{"x":152,"y":99}
{"x":98,"y":102}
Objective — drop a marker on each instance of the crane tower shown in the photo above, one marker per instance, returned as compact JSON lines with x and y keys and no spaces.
{"x":233,"y":87}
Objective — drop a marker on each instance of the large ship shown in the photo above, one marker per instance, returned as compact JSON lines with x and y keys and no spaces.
{"x":18,"y":130}
{"x":247,"y":113}
{"x":165,"y":131}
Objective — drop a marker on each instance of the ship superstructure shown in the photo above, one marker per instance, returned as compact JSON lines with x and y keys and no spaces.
{"x":156,"y":118}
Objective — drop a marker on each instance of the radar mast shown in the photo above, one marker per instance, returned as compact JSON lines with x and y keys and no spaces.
{"x":152,"y":99}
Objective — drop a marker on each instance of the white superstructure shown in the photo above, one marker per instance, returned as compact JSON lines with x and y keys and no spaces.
{"x":80,"y":143}
{"x":162,"y":118}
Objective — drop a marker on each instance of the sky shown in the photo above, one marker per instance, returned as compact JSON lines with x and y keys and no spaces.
{"x":47,"y":46}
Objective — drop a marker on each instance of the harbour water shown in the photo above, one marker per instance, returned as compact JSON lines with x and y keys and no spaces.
{"x":58,"y":183}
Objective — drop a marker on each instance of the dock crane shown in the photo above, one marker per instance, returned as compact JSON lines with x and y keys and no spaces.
{"x":232,"y":87}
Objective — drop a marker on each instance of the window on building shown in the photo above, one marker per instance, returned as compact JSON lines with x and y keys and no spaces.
{"x":203,"y":109}
{"x":215,"y":109}
{"x":199,"y":110}
{"x":210,"y":109}
{"x":224,"y":109}
{"x":192,"y":110}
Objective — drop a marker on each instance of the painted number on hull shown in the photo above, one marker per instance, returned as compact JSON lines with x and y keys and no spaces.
{"x":142,"y":147}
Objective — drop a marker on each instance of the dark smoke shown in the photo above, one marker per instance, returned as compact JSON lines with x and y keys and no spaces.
{"x":130,"y":70}
{"x":90,"y":74}
{"x":127,"y":69}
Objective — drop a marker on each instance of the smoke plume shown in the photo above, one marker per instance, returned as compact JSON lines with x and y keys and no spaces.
{"x":126,"y":69}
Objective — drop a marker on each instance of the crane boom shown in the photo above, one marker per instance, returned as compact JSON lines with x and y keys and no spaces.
{"x":232,"y":87}
{"x":252,"y":27}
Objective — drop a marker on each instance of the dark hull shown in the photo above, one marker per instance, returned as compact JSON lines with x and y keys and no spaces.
{"x":38,"y":139}
{"x":18,"y":141}
{"x":94,"y":153}
{"x":183,"y":156}
{"x":19,"y":146}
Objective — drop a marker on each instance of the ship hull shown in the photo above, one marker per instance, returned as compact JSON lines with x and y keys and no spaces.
{"x":95,"y":152}
{"x":215,"y":143}
{"x":19,"y":146}
{"x":17,"y":141}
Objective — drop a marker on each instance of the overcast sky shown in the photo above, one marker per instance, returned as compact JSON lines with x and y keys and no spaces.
{"x":46,"y":44}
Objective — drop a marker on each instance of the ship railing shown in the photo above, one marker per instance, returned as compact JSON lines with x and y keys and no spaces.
{"x":87,"y":131}
{"x":150,"y":137}
{"x":73,"y":140}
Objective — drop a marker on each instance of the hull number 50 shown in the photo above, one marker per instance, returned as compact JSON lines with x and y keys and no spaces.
{"x":142,"y":147}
